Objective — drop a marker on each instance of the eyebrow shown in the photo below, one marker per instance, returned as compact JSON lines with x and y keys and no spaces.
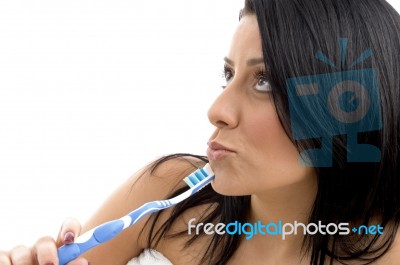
{"x":249,"y":62}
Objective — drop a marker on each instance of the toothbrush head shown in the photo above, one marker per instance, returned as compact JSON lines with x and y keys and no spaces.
{"x":198,"y":175}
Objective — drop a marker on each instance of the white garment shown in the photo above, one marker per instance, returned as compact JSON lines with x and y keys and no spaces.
{"x":150,"y":257}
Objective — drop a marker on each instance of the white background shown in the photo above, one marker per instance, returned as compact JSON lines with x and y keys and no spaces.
{"x":91,"y":90}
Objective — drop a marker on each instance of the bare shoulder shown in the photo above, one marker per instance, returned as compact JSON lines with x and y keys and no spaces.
{"x":176,"y":248}
{"x":392,"y":257}
{"x":168,"y":176}
{"x":155,"y":181}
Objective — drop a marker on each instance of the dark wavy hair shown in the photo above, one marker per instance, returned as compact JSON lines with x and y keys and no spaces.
{"x":358,"y":193}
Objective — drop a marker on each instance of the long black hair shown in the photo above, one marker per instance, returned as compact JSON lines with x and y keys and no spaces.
{"x":359,"y":193}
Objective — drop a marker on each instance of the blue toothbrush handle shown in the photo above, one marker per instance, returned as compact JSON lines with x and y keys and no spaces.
{"x":106,"y":232}
{"x":90,"y":239}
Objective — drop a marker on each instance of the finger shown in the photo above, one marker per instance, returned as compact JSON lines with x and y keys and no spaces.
{"x":21,"y":255}
{"x":70,"y":229}
{"x":45,"y":251}
{"x":5,"y":258}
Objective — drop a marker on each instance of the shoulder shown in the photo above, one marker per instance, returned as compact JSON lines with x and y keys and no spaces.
{"x":155,"y":181}
{"x":392,"y":256}
{"x":158,"y":181}
{"x":174,"y":240}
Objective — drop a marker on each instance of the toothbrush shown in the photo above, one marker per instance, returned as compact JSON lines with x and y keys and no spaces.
{"x":105,"y":232}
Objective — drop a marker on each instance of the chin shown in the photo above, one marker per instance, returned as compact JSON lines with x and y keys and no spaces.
{"x":227,"y":188}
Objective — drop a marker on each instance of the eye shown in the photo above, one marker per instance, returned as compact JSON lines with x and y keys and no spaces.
{"x":263,"y":85}
{"x":263,"y":82}
{"x":227,"y":75}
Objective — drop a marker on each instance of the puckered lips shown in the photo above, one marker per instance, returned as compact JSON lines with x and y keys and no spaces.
{"x":217,"y":151}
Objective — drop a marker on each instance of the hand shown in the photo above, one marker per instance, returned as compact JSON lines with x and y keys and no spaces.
{"x":44,"y":251}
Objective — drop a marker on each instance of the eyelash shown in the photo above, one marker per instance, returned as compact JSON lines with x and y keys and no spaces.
{"x":227,"y":70}
{"x":258,"y":74}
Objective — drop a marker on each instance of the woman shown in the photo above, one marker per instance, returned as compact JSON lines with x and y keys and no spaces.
{"x":264,"y":172}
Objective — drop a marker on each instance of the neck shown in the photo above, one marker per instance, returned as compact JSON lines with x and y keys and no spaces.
{"x":282,"y":206}
{"x":286,"y":204}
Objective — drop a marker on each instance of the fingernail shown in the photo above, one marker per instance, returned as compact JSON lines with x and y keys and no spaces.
{"x":50,"y":263}
{"x":69,"y":238}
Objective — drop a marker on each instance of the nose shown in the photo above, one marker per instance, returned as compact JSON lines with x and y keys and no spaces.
{"x":224,"y":112}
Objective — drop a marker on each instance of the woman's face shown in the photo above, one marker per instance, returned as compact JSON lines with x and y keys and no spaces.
{"x":249,"y":151}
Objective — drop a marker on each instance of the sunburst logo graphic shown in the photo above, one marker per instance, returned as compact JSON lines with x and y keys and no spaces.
{"x":339,"y":103}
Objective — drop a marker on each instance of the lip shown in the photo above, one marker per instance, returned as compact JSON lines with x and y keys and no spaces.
{"x":217,"y":151}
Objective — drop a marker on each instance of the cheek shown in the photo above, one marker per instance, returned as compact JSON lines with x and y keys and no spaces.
{"x":267,"y":136}
{"x":273,"y":156}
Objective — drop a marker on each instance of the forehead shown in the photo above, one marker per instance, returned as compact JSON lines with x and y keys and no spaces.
{"x":246,"y":41}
